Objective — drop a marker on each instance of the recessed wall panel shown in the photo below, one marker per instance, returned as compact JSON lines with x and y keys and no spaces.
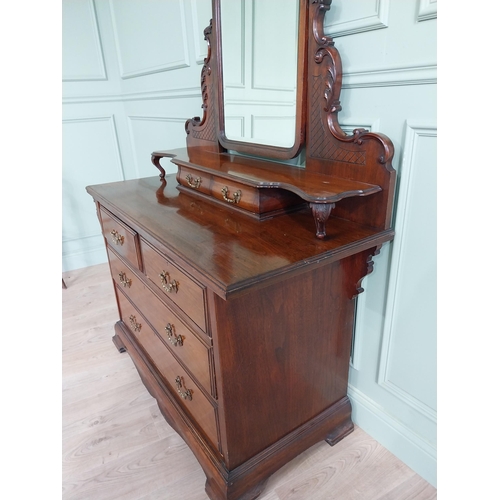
{"x":90,"y":155}
{"x":150,"y":134}
{"x":82,"y":57}
{"x":274,"y":51}
{"x":274,"y":129}
{"x":408,"y":363}
{"x":355,"y":16}
{"x":150,"y":36}
{"x":202,"y":14}
{"x":236,"y":22}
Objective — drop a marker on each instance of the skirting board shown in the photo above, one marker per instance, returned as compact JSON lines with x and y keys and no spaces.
{"x":393,"y":435}
{"x":78,"y":260}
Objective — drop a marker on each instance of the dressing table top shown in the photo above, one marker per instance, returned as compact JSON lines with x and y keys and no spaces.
{"x":227,"y":250}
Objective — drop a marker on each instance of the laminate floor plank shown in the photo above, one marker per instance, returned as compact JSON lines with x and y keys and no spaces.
{"x":116,"y":445}
{"x":414,"y":488}
{"x":123,"y":398}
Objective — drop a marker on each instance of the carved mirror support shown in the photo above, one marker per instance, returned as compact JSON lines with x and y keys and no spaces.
{"x":345,"y":176}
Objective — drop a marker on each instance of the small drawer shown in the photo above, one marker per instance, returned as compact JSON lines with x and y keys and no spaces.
{"x":175,"y":284}
{"x":181,"y":340}
{"x":122,"y":239}
{"x":194,"y":179}
{"x":236,"y":195}
{"x":185,"y":391}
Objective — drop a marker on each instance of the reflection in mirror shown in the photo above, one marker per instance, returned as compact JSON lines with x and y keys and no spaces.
{"x":259,"y":65}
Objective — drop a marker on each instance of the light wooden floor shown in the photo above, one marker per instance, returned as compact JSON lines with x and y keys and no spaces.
{"x":116,"y":445}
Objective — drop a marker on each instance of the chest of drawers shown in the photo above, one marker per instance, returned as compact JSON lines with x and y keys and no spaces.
{"x":240,"y":328}
{"x":237,"y":316}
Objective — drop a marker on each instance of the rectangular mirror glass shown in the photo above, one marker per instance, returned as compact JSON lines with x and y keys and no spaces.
{"x":259,"y":45}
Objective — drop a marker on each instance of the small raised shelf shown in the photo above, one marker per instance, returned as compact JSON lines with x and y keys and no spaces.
{"x":242,"y":183}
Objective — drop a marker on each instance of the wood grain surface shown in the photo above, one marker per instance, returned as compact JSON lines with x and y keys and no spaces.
{"x":116,"y":444}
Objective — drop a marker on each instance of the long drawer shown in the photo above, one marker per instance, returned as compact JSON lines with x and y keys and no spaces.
{"x":188,"y":348}
{"x":175,"y":284}
{"x":181,"y":385}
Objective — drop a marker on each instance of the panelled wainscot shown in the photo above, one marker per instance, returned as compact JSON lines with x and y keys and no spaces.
{"x":235,"y":278}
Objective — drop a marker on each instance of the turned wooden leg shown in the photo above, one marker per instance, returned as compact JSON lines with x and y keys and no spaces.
{"x":321,"y":213}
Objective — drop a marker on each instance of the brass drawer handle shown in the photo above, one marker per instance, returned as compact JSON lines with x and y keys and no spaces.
{"x":169,"y":286}
{"x":194,"y":182}
{"x":126,"y":282}
{"x":133,"y":323}
{"x":175,"y":340}
{"x":118,"y":239}
{"x":236,"y":198}
{"x":187,"y":394}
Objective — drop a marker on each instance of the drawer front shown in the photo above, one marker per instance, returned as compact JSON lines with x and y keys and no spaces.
{"x":181,"y":340}
{"x":195,"y":180}
{"x":175,"y":284}
{"x":122,"y":239}
{"x":236,"y":195}
{"x":194,"y":402}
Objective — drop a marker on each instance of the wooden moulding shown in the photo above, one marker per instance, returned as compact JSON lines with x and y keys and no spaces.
{"x":247,"y":480}
{"x":285,"y":240}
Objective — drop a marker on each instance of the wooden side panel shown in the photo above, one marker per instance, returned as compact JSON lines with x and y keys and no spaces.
{"x":282,"y":355}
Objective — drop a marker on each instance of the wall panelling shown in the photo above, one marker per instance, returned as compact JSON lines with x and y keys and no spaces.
{"x":131,"y":71}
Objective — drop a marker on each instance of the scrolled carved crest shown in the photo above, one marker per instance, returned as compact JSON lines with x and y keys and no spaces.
{"x":204,"y":128}
{"x":329,"y":70}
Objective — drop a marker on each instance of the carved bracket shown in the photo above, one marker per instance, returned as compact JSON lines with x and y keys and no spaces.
{"x":359,"y":266}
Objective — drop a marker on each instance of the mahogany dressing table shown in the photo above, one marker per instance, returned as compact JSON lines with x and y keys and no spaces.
{"x":235,"y":279}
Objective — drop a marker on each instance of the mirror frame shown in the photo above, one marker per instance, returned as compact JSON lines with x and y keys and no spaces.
{"x":256,"y":149}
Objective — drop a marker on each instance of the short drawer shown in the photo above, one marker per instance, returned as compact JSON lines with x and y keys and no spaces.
{"x":122,"y":239}
{"x":195,"y":180}
{"x":185,"y":391}
{"x":175,"y":284}
{"x":191,"y":351}
{"x":236,"y":194}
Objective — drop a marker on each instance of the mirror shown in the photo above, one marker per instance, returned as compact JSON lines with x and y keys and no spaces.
{"x":262,"y":63}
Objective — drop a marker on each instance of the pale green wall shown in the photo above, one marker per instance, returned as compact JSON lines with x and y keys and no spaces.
{"x":132,"y":78}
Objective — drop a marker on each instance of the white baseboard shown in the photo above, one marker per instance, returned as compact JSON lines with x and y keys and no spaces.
{"x":78,"y":260}
{"x":396,"y":437}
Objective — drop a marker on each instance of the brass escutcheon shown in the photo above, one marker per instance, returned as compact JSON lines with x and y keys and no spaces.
{"x":235,"y":199}
{"x":193,"y":182}
{"x":118,"y":239}
{"x":126,"y":282}
{"x":175,"y":340}
{"x":169,"y":286}
{"x":133,"y":323}
{"x":187,"y":394}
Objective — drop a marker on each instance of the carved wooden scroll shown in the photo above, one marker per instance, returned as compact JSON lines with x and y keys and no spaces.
{"x":356,"y":269}
{"x":203,"y":132}
{"x":363,"y":156}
